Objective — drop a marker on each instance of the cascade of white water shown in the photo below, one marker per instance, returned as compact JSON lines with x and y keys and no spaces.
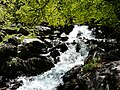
{"x":52,"y":78}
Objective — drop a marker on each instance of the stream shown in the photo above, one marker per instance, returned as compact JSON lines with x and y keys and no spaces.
{"x":51,"y":79}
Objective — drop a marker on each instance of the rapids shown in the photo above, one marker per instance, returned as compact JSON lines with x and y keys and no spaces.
{"x":52,"y":78}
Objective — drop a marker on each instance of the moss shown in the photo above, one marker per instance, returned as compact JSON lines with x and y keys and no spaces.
{"x":11,"y":61}
{"x":6,"y":38}
{"x":32,"y":35}
{"x":94,"y":63}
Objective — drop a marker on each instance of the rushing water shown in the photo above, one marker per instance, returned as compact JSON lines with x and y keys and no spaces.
{"x":52,"y":78}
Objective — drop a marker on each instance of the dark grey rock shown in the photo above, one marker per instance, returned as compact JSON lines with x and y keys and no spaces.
{"x":63,"y":47}
{"x":7,"y":50}
{"x":55,"y":53}
{"x":72,"y":73}
{"x":23,"y":31}
{"x":10,"y":32}
{"x":67,"y":29}
{"x":48,"y":42}
{"x":107,"y":77}
{"x":64,"y":38}
{"x":14,"y":40}
{"x":31,"y":47}
{"x":34,"y":65}
{"x":23,"y":52}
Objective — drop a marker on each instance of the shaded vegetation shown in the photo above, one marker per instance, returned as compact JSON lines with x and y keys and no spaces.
{"x":60,"y":12}
{"x":94,"y":63}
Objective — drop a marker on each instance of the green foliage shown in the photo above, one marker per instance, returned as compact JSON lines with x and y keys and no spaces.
{"x":89,"y":67}
{"x":6,"y":38}
{"x":32,"y":35}
{"x":92,"y":65}
{"x":59,"y":12}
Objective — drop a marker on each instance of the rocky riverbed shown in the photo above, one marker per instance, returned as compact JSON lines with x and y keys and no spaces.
{"x":33,"y":56}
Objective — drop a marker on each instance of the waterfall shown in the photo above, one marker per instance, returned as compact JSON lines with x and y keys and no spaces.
{"x":52,"y":78}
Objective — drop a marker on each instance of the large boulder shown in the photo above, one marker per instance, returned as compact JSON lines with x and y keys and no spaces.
{"x":106,"y":77}
{"x":19,"y":67}
{"x":30,"y":48}
{"x":7,"y":51}
{"x":71,"y":73}
{"x":34,"y":65}
{"x":44,"y":29}
{"x":71,"y":82}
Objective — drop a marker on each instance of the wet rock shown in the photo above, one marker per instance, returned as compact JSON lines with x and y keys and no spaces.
{"x":52,"y":37}
{"x":55,"y":54}
{"x":44,"y":29}
{"x":71,"y":81}
{"x":107,"y":77}
{"x":72,"y":73}
{"x":106,"y":45}
{"x":37,"y":47}
{"x":23,"y":52}
{"x":10,"y":32}
{"x":32,"y":66}
{"x":16,"y":85}
{"x":73,"y":84}
{"x":31,"y":47}
{"x":92,"y":42}
{"x":14,"y":40}
{"x":23,"y":31}
{"x":35,"y":65}
{"x":63,"y":47}
{"x":44,"y":23}
{"x":67,"y":29}
{"x":110,"y":57}
{"x":64,"y":37}
{"x":48,"y":42}
{"x":2,"y":83}
{"x":78,"y":47}
{"x":57,"y":33}
{"x":7,"y":50}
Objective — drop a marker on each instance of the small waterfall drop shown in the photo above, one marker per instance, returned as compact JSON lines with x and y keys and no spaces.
{"x":52,"y":78}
